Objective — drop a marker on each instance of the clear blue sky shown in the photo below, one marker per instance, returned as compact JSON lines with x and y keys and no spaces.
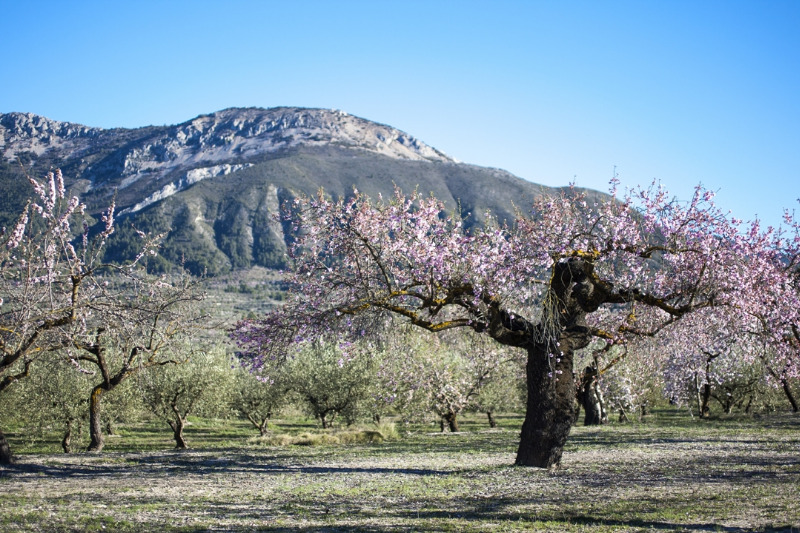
{"x":685,"y":92}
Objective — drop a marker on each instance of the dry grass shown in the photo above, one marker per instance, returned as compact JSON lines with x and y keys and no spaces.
{"x":675,"y":475}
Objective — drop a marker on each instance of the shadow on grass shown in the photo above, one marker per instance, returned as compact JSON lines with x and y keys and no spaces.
{"x":196,"y":464}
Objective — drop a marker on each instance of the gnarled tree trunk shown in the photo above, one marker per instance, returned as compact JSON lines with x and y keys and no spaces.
{"x":550,"y":408}
{"x":97,"y":441}
{"x":787,"y":390}
{"x":177,"y":426}
{"x":262,"y":424}
{"x":451,"y":419}
{"x":592,"y":399}
{"x":66,"y":442}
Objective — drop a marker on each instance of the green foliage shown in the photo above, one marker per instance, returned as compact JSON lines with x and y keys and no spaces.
{"x":330,"y":382}
{"x":258,"y":400}
{"x":200,"y":383}
{"x":54,"y":396}
{"x":15,"y":190}
{"x":504,"y":391}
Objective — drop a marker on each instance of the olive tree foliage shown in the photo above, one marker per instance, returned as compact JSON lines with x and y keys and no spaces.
{"x":57,"y":294}
{"x":571,"y":271}
{"x":154,"y":316}
{"x":504,"y":392}
{"x":201,"y":384}
{"x":54,"y":399}
{"x":331,"y":382}
{"x":54,"y":396}
{"x":258,"y":398}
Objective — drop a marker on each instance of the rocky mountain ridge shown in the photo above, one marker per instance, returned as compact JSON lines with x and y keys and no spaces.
{"x":214,"y":184}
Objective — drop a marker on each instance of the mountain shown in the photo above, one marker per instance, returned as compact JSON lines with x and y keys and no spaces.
{"x":214,"y":184}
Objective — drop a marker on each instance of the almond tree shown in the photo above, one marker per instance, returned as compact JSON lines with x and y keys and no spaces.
{"x":56,"y":292}
{"x":710,"y":350}
{"x":568,"y":272}
{"x":48,"y":281}
{"x":777,"y":321}
{"x":446,"y":373}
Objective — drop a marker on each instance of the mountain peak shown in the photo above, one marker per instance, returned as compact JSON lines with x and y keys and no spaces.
{"x":27,"y":132}
{"x":214,"y":184}
{"x":259,"y":130}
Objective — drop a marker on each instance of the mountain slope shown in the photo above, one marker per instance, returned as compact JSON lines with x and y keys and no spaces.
{"x":215,"y":183}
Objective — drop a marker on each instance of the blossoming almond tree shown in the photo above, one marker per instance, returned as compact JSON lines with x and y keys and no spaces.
{"x":645,"y":260}
{"x":775,"y":324}
{"x":46,"y":281}
{"x":57,"y":293}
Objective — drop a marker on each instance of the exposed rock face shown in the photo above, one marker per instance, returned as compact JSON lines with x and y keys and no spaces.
{"x":26,"y":132}
{"x":214,"y":184}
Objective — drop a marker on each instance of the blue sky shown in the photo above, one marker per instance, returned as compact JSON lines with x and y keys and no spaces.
{"x":684,"y":92}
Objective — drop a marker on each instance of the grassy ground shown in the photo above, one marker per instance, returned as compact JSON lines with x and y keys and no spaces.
{"x":670,"y":474}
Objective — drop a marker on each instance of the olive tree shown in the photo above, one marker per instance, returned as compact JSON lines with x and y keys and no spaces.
{"x":331,"y":381}
{"x":200,"y":384}
{"x":258,"y":398}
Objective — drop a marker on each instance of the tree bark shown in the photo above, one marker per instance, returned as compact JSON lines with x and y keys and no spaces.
{"x":97,"y":441}
{"x":705,"y":410}
{"x":787,"y":390}
{"x":492,"y":421}
{"x":66,"y":442}
{"x":177,"y":426}
{"x":592,"y":399}
{"x":6,"y":458}
{"x":452,"y":421}
{"x":550,"y":408}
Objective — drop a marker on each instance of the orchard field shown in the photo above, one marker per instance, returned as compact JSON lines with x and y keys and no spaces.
{"x":668,"y":473}
{"x":395,"y":324}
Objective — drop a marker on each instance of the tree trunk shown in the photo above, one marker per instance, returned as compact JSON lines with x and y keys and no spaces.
{"x":788,"y":391}
{"x":550,"y":409}
{"x":177,"y":426}
{"x":261,"y":424}
{"x":705,"y":410}
{"x":492,"y":421}
{"x":592,"y":399}
{"x":97,"y":442}
{"x":66,"y":442}
{"x":452,"y":421}
{"x":5,"y":450}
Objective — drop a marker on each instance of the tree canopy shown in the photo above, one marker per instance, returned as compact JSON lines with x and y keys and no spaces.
{"x":566,"y":272}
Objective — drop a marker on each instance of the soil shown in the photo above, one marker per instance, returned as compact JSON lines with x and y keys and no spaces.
{"x":626,"y":478}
